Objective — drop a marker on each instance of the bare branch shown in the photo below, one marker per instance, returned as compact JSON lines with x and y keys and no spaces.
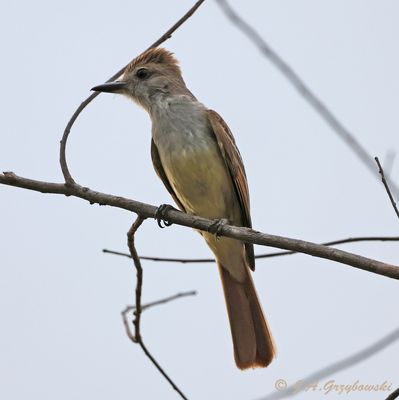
{"x":163,"y":259}
{"x":324,"y":112}
{"x":259,"y":256}
{"x":167,"y":35}
{"x":139,"y":276}
{"x":177,"y":217}
{"x":136,"y":337}
{"x":384,"y":181}
{"x":393,"y":395}
{"x":341,"y":365}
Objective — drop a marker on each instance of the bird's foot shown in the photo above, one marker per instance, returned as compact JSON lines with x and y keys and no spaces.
{"x":217,"y":226}
{"x":160,"y":215}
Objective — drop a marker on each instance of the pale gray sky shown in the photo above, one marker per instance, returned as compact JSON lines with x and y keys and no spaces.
{"x":60,"y":297}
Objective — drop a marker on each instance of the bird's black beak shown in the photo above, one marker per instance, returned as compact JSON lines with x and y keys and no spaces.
{"x":111,"y":87}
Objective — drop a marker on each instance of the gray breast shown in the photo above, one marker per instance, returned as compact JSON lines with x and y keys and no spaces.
{"x":180,"y":122}
{"x":191,"y":159}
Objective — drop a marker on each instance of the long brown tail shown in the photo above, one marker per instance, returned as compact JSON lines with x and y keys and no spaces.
{"x":253,"y":342}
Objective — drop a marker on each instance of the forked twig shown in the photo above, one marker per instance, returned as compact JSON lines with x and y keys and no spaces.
{"x":136,"y":337}
{"x":159,"y":302}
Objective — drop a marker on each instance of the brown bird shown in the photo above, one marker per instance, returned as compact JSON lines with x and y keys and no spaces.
{"x":195,"y":155}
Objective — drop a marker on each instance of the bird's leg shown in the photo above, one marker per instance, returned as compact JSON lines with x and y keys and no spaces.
{"x":217,"y":226}
{"x":160,"y":215}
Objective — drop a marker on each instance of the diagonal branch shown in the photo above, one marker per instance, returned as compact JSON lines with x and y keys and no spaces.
{"x":394,"y":395}
{"x":136,"y":337}
{"x":259,"y":256}
{"x":384,"y":181}
{"x":335,"y":124}
{"x":177,"y":217}
{"x":338,"y":366}
{"x":167,"y":35}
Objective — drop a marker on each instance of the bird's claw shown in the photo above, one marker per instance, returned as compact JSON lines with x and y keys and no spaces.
{"x":217,"y":226}
{"x":160,"y":215}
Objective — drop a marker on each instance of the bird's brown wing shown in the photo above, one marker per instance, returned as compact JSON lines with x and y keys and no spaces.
{"x":161,"y":173}
{"x":231,"y":155}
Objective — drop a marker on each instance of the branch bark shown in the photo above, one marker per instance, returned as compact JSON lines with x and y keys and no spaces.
{"x":177,"y":217}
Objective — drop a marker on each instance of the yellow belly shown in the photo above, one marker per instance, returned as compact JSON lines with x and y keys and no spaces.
{"x":201,"y":181}
{"x":203,"y":185}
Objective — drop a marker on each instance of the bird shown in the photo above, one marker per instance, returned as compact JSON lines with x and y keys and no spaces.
{"x":195,"y":155}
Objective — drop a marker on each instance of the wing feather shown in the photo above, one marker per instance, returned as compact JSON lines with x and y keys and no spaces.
{"x":231,"y":155}
{"x":161,"y":173}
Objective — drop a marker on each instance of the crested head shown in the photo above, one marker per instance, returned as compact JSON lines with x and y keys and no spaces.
{"x":157,"y":56}
{"x":152,"y":77}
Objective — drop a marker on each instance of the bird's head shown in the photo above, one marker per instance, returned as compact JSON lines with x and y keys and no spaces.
{"x":152,"y":75}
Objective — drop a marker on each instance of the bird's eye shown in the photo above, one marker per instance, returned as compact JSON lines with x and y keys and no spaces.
{"x":142,"y":73}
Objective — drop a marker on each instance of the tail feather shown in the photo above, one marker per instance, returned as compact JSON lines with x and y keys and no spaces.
{"x":252,"y":340}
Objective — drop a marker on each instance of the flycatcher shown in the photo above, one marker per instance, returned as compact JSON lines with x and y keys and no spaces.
{"x":195,"y":155}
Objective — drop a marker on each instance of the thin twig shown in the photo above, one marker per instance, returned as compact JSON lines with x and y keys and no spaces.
{"x":161,"y":301}
{"x":167,"y":35}
{"x":393,"y":395}
{"x":259,"y":256}
{"x":337,"y":366}
{"x":337,"y":126}
{"x":139,"y":272}
{"x":136,"y":337}
{"x":384,"y":181}
{"x":163,"y":259}
{"x":246,"y":235}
